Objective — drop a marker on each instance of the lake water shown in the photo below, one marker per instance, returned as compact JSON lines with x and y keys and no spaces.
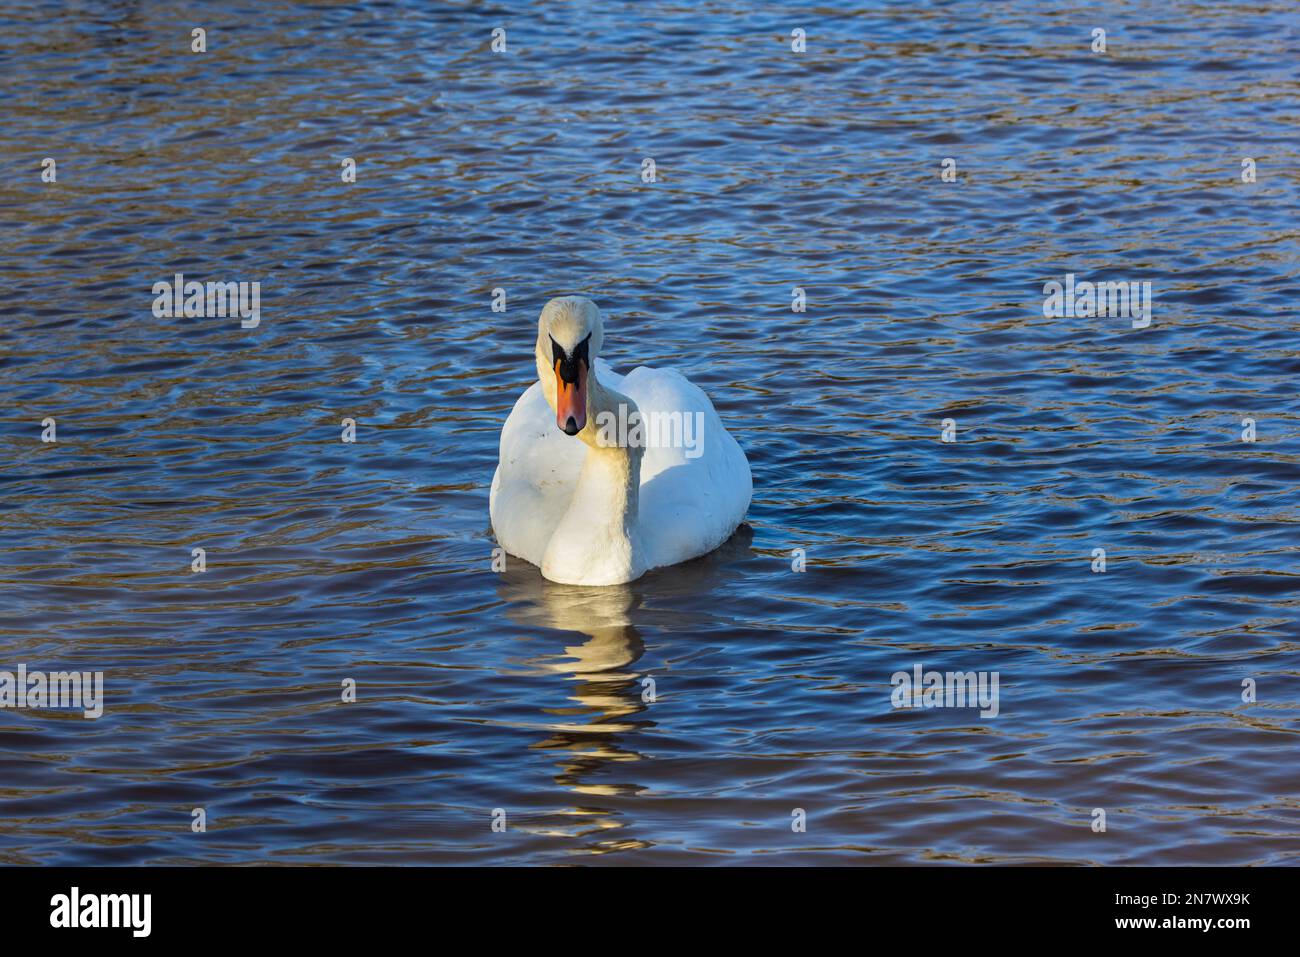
{"x":327,"y":561}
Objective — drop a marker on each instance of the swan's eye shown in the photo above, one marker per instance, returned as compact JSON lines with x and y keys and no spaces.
{"x":580,"y":351}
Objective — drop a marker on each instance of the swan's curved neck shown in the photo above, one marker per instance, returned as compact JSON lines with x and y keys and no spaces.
{"x":597,"y":535}
{"x":609,"y":456}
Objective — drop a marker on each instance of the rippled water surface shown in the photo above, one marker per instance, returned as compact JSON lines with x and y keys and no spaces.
{"x":371,"y":561}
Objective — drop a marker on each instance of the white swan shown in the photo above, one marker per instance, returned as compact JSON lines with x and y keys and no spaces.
{"x":588,"y":497}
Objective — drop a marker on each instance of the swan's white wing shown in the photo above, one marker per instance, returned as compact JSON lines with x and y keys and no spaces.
{"x":694,"y":493}
{"x":535,"y":477}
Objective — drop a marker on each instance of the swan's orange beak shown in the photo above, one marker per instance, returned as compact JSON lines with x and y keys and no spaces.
{"x":570,"y":396}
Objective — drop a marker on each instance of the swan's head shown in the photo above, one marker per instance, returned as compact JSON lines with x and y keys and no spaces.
{"x":570,"y":333}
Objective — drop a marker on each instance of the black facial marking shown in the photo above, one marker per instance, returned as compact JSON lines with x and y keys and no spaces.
{"x":569,"y":363}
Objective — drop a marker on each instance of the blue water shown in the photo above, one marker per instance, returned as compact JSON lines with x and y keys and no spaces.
{"x":1120,"y":690}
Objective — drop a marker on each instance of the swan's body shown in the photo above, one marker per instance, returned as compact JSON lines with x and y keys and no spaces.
{"x":591,"y":511}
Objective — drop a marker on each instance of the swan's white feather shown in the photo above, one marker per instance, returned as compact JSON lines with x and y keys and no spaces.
{"x":688,"y":505}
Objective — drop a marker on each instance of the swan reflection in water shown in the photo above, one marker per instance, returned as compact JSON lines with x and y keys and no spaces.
{"x":599,"y":653}
{"x":598,"y":656}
